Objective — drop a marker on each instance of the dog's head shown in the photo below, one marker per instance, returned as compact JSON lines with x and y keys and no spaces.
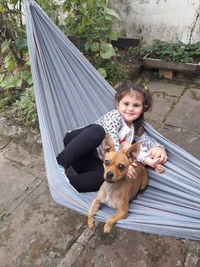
{"x":116,"y":163}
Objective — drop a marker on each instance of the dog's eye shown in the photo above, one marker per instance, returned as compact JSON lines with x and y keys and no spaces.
{"x":106,"y":162}
{"x":121,"y":167}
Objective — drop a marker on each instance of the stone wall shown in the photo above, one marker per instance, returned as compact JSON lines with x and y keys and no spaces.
{"x":167,"y":20}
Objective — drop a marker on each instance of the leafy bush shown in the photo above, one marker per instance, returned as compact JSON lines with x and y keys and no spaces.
{"x":16,"y":80}
{"x":91,"y":20}
{"x":135,"y":53}
{"x":7,"y":98}
{"x":25,"y":107}
{"x":88,"y":19}
{"x":112,"y":70}
{"x":176,"y":52}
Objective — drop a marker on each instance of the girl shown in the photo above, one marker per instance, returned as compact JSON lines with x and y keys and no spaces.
{"x":83,"y":149}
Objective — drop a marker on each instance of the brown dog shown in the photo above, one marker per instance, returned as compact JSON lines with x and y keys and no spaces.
{"x":117,"y":190}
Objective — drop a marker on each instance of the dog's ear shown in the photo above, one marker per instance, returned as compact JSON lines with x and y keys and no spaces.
{"x":108,"y":144}
{"x":133,"y":151}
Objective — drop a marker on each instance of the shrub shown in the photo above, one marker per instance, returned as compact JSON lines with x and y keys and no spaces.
{"x":114,"y":71}
{"x":176,"y":52}
{"x":25,"y":107}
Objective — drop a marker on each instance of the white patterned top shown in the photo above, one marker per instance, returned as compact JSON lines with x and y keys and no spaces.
{"x":115,"y":126}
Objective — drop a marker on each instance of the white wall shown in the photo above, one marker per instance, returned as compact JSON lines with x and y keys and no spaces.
{"x":168,"y":20}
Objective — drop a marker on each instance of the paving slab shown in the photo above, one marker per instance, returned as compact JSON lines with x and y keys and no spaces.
{"x":162,"y":104}
{"x":13,"y":182}
{"x":186,"y":139}
{"x":168,"y":88}
{"x":186,"y":112}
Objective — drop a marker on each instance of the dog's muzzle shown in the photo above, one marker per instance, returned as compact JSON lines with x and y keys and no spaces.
{"x":109,"y":176}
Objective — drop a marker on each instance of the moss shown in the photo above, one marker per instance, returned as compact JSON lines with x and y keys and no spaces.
{"x":39,"y":249}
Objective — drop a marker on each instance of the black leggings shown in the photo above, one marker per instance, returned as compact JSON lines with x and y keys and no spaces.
{"x":80,"y":153}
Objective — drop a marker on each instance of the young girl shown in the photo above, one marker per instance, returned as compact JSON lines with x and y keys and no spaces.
{"x":83,"y":150}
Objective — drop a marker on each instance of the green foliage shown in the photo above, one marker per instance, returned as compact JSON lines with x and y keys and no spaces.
{"x":7,"y":98}
{"x":115,"y":72}
{"x":91,"y":20}
{"x":87,"y":19}
{"x":52,"y":8}
{"x":5,"y":46}
{"x":12,"y":29}
{"x":16,"y":80}
{"x":111,"y":69}
{"x":9,"y":61}
{"x":25,"y":107}
{"x":21,"y":44}
{"x":135,"y":53}
{"x":176,"y":52}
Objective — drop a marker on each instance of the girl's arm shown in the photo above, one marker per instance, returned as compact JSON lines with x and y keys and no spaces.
{"x":148,"y":142}
{"x":154,"y":149}
{"x":112,"y":122}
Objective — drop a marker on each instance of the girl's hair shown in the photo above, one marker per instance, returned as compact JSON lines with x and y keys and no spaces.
{"x":129,"y":88}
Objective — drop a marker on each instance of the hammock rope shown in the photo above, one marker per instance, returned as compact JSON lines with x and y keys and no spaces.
{"x":70,"y":93}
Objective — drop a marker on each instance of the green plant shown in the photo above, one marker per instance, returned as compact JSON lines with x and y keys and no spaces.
{"x":52,"y":8}
{"x":134,"y":53}
{"x":13,"y":46}
{"x":12,"y":32}
{"x":91,"y":20}
{"x":116,"y":72}
{"x":176,"y":52}
{"x":110,"y":69}
{"x":25,"y":107}
{"x":16,"y":80}
{"x":7,"y":98}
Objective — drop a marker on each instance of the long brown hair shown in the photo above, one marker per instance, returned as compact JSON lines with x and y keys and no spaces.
{"x":129,"y":88}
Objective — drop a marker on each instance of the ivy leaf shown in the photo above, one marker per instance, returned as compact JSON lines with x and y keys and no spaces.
{"x":5,"y":45}
{"x":107,"y":51}
{"x":112,"y":13}
{"x":26,"y":76}
{"x":95,"y":46}
{"x":102,"y":72}
{"x":9,"y":62}
{"x":87,"y":46}
{"x":113,"y":36}
{"x":11,"y":81}
{"x":21,"y":44}
{"x":1,"y":77}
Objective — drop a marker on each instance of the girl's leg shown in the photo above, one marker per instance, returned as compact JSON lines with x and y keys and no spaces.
{"x":90,"y":175}
{"x":87,"y":181}
{"x":82,"y":143}
{"x":70,"y":135}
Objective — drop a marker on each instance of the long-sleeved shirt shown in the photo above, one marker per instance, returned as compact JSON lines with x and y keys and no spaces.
{"x":115,"y":126}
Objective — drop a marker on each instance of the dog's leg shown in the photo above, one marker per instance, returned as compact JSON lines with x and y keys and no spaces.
{"x":92,"y":211}
{"x":121,"y":214}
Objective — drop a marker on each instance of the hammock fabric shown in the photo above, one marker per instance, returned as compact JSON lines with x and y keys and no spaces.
{"x":70,"y":93}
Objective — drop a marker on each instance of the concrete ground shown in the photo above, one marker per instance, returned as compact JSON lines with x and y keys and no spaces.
{"x":36,"y":231}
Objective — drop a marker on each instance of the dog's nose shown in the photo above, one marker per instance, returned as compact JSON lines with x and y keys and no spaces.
{"x":109,"y":176}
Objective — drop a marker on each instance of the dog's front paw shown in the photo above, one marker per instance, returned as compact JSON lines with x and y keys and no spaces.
{"x":90,"y":223}
{"x":107,"y":227}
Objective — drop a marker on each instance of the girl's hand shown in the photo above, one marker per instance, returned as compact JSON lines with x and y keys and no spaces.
{"x":125,"y":145}
{"x":131,"y":174}
{"x":158,"y":153}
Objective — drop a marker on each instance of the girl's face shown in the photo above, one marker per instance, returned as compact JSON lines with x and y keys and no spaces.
{"x":131,"y":107}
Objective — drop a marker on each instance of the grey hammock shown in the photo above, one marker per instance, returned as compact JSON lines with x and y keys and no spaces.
{"x":70,"y":93}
